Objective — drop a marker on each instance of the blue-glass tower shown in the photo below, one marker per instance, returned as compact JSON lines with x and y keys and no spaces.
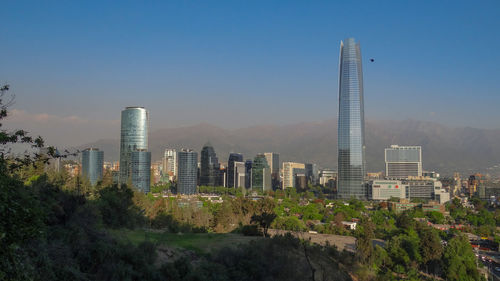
{"x":351,"y":126}
{"x":140,"y":169}
{"x":134,"y":137}
{"x":233,"y":157}
{"x":187,"y":171}
{"x":92,"y":164}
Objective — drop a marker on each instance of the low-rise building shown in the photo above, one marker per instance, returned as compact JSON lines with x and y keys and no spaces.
{"x":385,"y":189}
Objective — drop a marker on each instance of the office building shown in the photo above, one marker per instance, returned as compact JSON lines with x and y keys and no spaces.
{"x":385,"y":189}
{"x":92,"y":165}
{"x":133,"y":137}
{"x":248,"y":174}
{"x":328,"y":178}
{"x":273,"y":160}
{"x":402,"y":162}
{"x":351,"y":123}
{"x":209,"y":167}
{"x":312,"y":173}
{"x":233,"y":157}
{"x":140,"y":169}
{"x":289,"y":173}
{"x":170,"y":164}
{"x":261,"y":173}
{"x":239,"y":175}
{"x":187,"y":171}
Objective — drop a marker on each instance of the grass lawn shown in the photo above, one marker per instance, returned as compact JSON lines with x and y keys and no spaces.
{"x":198,"y":242}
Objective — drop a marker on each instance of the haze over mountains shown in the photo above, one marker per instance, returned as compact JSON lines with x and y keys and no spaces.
{"x":444,"y":149}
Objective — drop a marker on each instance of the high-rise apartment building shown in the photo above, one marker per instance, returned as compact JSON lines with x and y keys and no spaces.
{"x":402,"y":162}
{"x":210,"y":167}
{"x":170,"y":164}
{"x":273,"y":160}
{"x":233,"y":158}
{"x":351,"y":123}
{"x":290,"y":169}
{"x":140,"y":169}
{"x":187,"y":171}
{"x":92,"y":164}
{"x":133,"y":137}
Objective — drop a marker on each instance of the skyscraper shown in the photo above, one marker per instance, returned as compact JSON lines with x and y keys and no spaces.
{"x":187,"y":171}
{"x":273,"y":160}
{"x":290,"y":169}
{"x":170,"y":163}
{"x":261,"y":173}
{"x":239,"y":174}
{"x":140,"y":169}
{"x":233,"y":157}
{"x":134,"y":136}
{"x":402,"y":162}
{"x":92,"y":164}
{"x":351,"y":123}
{"x":210,"y":167}
{"x":248,"y":174}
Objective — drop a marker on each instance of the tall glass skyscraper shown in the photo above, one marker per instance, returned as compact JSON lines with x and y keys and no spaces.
{"x":92,"y":164}
{"x":188,"y":172}
{"x":210,"y":167}
{"x":140,"y":169}
{"x":233,"y":157}
{"x":134,"y":136}
{"x":351,"y":126}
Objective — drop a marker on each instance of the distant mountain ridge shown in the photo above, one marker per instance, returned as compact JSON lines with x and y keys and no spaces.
{"x":444,"y":149}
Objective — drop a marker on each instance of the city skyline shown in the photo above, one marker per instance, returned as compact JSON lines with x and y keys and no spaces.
{"x":288,"y":60}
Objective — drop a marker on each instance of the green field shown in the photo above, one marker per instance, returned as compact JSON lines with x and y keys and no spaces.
{"x":198,"y":242}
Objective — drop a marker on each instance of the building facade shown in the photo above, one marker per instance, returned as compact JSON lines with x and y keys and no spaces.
{"x":239,"y":175}
{"x":210,"y":167}
{"x":140,"y":170}
{"x":402,"y":162}
{"x":92,"y":165}
{"x":261,"y":173}
{"x":187,"y":172}
{"x":273,"y":160}
{"x":170,"y":164}
{"x":233,"y":158}
{"x":288,"y":173}
{"x":133,"y":137}
{"x":248,"y":174}
{"x":385,"y":189}
{"x":351,"y":123}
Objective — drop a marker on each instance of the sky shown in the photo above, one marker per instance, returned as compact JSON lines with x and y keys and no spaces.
{"x":74,"y":65}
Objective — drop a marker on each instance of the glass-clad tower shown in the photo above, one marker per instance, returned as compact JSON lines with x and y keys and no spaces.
{"x":134,"y":137}
{"x":210,"y":167}
{"x":140,"y":169}
{"x":92,"y":164}
{"x":233,"y":157}
{"x":351,"y":126}
{"x":188,"y":171}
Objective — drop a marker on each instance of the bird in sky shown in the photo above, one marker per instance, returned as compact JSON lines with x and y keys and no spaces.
{"x":372,"y":60}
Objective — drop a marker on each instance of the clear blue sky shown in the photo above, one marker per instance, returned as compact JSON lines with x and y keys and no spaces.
{"x":244,"y":63}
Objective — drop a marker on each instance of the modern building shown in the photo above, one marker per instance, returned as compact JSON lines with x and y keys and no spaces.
{"x":351,"y":123}
{"x":233,"y":157}
{"x":210,"y":167}
{"x":140,"y":169}
{"x":402,"y":162}
{"x":328,"y":178}
{"x":92,"y":165}
{"x":261,"y":173}
{"x":248,"y":174}
{"x":187,"y":171}
{"x":385,"y":189}
{"x":289,"y":173}
{"x":273,"y":160}
{"x":133,"y":137}
{"x":170,"y":164}
{"x":239,"y":175}
{"x":312,"y":173}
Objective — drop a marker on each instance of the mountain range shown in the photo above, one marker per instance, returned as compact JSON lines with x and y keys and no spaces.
{"x":444,"y":149}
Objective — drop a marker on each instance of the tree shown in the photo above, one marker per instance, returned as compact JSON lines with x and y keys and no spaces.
{"x":264,"y":220}
{"x":431,"y":249}
{"x":364,"y":244}
{"x":459,"y":260}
